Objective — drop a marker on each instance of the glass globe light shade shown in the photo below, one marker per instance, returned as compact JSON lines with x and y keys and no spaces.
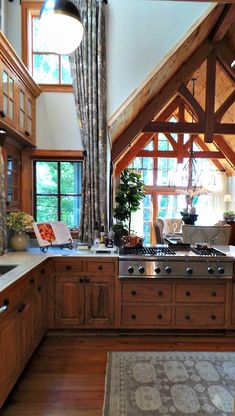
{"x":60,"y":26}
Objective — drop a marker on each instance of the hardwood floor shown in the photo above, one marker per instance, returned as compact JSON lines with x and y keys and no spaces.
{"x":66,"y":375}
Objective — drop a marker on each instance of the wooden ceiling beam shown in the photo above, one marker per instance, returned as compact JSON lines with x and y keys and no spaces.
{"x":192,"y":102}
{"x":132,"y":153}
{"x":210,"y":154}
{"x":226,"y":57}
{"x":198,"y":140}
{"x":181,"y":117}
{"x":194,"y":128}
{"x":155,"y":105}
{"x":226,"y":150}
{"x":224,"y":107}
{"x":226,"y":19}
{"x":210,"y":97}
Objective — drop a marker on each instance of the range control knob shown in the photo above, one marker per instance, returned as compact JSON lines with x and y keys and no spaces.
{"x":189,"y":270}
{"x":130,"y":269}
{"x":221,"y":270}
{"x":167,"y":269}
{"x":210,"y":270}
{"x":157,"y":270}
{"x":141,"y":269}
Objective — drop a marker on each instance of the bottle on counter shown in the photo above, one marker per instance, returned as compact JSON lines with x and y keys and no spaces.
{"x":110,"y":239}
{"x":102,"y":236}
{"x":96,"y":234}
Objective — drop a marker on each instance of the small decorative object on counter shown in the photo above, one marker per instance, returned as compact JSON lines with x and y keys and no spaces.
{"x":96,"y":234}
{"x":102,"y":236}
{"x":109,"y":242}
{"x":20,"y":222}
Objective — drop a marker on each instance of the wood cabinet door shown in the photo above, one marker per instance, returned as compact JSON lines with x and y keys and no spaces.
{"x":26,"y":113}
{"x":9,"y":358}
{"x":69,"y":300}
{"x":100,"y":301}
{"x":40,"y":307}
{"x":8,"y":96}
{"x":26,"y":315}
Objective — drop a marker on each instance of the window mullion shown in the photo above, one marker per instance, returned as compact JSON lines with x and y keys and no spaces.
{"x":59,"y":194}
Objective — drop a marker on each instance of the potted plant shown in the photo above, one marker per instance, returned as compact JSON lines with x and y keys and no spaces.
{"x":20,"y":222}
{"x":129,"y":195}
{"x":189,"y":217}
{"x":229,"y":215}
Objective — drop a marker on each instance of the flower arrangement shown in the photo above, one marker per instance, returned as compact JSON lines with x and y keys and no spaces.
{"x":19,"y":221}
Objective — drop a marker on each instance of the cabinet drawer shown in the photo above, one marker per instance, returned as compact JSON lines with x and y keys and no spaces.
{"x":146,"y":292}
{"x":205,"y":316}
{"x":101,"y":267}
{"x":65,"y":266}
{"x":200,"y":293}
{"x":146,"y":315}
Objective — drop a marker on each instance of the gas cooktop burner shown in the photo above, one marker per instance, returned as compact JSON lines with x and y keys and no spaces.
{"x":207,"y":251}
{"x":152,"y":251}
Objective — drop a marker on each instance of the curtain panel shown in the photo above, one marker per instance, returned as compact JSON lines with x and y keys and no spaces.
{"x":88,"y":66}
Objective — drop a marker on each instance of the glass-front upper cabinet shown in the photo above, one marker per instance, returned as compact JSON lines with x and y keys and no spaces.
{"x":12,"y":178}
{"x":8,"y":97}
{"x":26,"y":113}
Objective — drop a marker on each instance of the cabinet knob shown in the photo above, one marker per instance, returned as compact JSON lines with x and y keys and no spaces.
{"x":100,"y":267}
{"x":214,"y":293}
{"x":159,"y":316}
{"x":21,"y":308}
{"x":133,"y":316}
{"x":160,"y":293}
{"x":42,"y":271}
{"x":81,"y":280}
{"x":4,"y":306}
{"x":213,"y":317}
{"x":39,"y":288}
{"x":188,"y":293}
{"x":2,"y":114}
{"x":187,"y":317}
{"x":133,"y":292}
{"x":68,"y":267}
{"x":32,"y":280}
{"x":87,"y":280}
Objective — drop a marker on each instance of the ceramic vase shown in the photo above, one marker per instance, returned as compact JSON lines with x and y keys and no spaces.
{"x":19,"y":241}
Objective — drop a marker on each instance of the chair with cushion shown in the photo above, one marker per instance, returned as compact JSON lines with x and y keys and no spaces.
{"x":208,"y":234}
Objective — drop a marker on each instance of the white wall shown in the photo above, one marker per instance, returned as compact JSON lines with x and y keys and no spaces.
{"x":139,"y":33}
{"x":57,"y":123}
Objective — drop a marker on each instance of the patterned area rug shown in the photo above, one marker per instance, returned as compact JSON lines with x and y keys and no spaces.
{"x":170,"y":384}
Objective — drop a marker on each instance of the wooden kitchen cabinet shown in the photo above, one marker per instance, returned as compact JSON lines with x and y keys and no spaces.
{"x":22,"y":325}
{"x":18,"y":93}
{"x":175,"y":303}
{"x":85,"y":292}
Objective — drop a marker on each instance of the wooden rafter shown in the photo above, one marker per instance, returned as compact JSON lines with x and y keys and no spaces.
{"x":226,"y":150}
{"x":195,"y":128}
{"x":155,"y":105}
{"x":225,"y":106}
{"x":226,"y":57}
{"x":192,"y":102}
{"x":198,"y":140}
{"x":226,"y":19}
{"x":172,"y":153}
{"x":210,"y":97}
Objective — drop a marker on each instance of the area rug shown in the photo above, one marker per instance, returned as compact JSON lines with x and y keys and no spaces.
{"x":169,"y":384}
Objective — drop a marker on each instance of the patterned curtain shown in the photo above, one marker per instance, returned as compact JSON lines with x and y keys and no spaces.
{"x":88,"y":65}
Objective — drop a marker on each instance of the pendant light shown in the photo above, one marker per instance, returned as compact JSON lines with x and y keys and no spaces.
{"x":60,"y":26}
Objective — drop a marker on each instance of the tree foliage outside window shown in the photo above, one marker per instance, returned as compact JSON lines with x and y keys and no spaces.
{"x":58,"y":188}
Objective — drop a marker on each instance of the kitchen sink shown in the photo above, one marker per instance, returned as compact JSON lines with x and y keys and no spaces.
{"x":5,"y":268}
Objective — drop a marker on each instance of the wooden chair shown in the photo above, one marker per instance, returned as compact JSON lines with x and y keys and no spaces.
{"x":158,"y":229}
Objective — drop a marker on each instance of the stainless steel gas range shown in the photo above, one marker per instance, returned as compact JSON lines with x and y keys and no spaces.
{"x":164,"y":262}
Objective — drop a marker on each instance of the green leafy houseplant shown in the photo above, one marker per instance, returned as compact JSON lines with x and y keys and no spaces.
{"x":129,"y":195}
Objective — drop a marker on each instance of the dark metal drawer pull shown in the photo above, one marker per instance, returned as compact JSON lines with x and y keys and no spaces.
{"x":187,"y":317}
{"x":213,"y":293}
{"x":39,"y":288}
{"x":2,"y":114}
{"x":133,"y":292}
{"x":159,"y":316}
{"x":160,"y":293}
{"x":68,"y":267}
{"x":100,"y":267}
{"x":21,"y":308}
{"x":213,"y":317}
{"x":81,"y":280}
{"x":87,"y":280}
{"x":32,"y":280}
{"x":4,"y":306}
{"x":133,"y":316}
{"x":43,"y":271}
{"x":188,"y":293}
